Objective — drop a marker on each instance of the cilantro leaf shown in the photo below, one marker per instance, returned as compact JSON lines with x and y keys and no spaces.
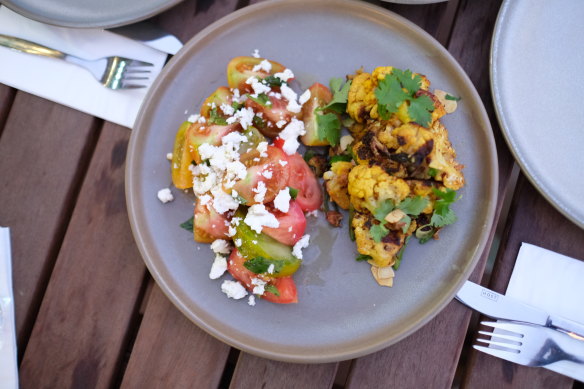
{"x":216,"y":118}
{"x":383,"y":209}
{"x":272,"y":289}
{"x":342,"y":157}
{"x":188,"y":225}
{"x":420,"y":110}
{"x":454,"y":98}
{"x":363,"y":257}
{"x":443,"y":215}
{"x":261,"y":99}
{"x":293,"y":192}
{"x":340,"y":91}
{"x":408,"y":80}
{"x":272,"y":80}
{"x":378,"y":232}
{"x":259,"y":265}
{"x":237,"y":106}
{"x":413,"y":205}
{"x":407,"y":221}
{"x":308,"y":155}
{"x":432,"y":172}
{"x":390,"y":96}
{"x":329,"y":128}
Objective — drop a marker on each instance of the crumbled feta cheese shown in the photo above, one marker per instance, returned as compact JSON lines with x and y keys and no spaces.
{"x":169,"y":156}
{"x":267,"y":174}
{"x":290,"y":229}
{"x":304,"y":97}
{"x":265,"y":65}
{"x":193,"y":118}
{"x":233,"y":139}
{"x":257,"y":86}
{"x":218,"y":268}
{"x":237,"y":98}
{"x":237,"y":242}
{"x":282,"y":200}
{"x":231,"y":231}
{"x":345,"y":141}
{"x":227,"y":109}
{"x":260,"y":189}
{"x":251,"y":300}
{"x":285,"y":75}
{"x":258,"y":217}
{"x":220,"y":246}
{"x":233,"y":289}
{"x":283,"y":163}
{"x":281,"y":123}
{"x":263,"y":149}
{"x":235,"y":221}
{"x":312,"y":213}
{"x":276,"y":95}
{"x":165,"y":195}
{"x":256,"y":53}
{"x":222,"y":202}
{"x":259,"y":286}
{"x":290,"y":136}
{"x":302,"y":243}
{"x":271,"y":268}
{"x":244,"y":116}
{"x":204,"y":199}
{"x":291,"y":96}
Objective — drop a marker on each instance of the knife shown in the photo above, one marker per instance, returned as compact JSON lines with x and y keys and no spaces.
{"x":498,"y":306}
{"x":151,"y":35}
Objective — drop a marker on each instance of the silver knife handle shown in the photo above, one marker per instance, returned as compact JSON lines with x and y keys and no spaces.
{"x":29,"y":47}
{"x":572,"y":328}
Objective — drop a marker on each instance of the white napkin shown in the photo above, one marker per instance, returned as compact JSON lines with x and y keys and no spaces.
{"x":554,"y":283}
{"x":70,"y":84}
{"x":8,"y":369}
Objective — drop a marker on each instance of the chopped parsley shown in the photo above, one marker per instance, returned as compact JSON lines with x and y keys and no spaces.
{"x":259,"y":265}
{"x":216,"y":118}
{"x":188,"y":225}
{"x":341,"y":157}
{"x":273,"y":81}
{"x":261,"y":99}
{"x":401,"y":86}
{"x":328,"y":127}
{"x":272,"y":289}
{"x":454,"y":98}
{"x":293,"y":192}
{"x":340,"y":91}
{"x":237,"y":106}
{"x":432,"y":172}
{"x":443,"y":215}
{"x":363,"y":257}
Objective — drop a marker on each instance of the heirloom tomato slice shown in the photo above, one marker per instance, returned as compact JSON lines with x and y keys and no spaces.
{"x":209,"y":225}
{"x":222,"y":95}
{"x":309,"y":196}
{"x":199,"y":133}
{"x":292,"y":225}
{"x":320,"y":96}
{"x":239,"y":69}
{"x":271,"y":114}
{"x":182,"y":177}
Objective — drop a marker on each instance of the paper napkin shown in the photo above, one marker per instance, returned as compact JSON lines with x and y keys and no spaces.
{"x":70,"y":84}
{"x":554,"y":283}
{"x":8,"y":369}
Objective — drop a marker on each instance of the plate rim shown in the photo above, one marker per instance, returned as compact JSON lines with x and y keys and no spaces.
{"x":502,"y":121}
{"x":323,"y":355}
{"x":103,"y":23}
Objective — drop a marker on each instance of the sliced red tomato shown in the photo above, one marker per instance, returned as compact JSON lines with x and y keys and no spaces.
{"x":222,"y":95}
{"x":320,"y":96}
{"x":286,"y":291}
{"x":285,"y":285}
{"x":302,"y":178}
{"x":209,"y":225}
{"x":292,"y":225}
{"x":239,"y":69}
{"x":199,"y":133}
{"x":270,"y":115}
{"x":255,"y":174}
{"x":279,"y":143}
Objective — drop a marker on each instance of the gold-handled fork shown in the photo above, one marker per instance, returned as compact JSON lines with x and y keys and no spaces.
{"x":113,"y":72}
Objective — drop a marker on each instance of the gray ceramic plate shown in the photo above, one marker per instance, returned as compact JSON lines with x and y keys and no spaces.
{"x":341,"y":313}
{"x":536,"y":67}
{"x":89,"y":13}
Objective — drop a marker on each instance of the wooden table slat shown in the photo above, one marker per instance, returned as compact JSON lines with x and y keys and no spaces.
{"x":6,"y":98}
{"x":532,"y":220}
{"x":43,"y":152}
{"x":171,"y":352}
{"x":81,"y":329}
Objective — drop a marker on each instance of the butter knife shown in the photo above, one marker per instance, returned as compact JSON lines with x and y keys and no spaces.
{"x":498,"y":306}
{"x":151,"y":35}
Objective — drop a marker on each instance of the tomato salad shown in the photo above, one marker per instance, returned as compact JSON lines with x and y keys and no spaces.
{"x":253,"y":189}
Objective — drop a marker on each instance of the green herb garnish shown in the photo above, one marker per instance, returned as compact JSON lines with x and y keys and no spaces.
{"x":272,"y":289}
{"x":351,"y":216}
{"x":261,"y":99}
{"x":328,"y":127}
{"x":454,"y":98}
{"x":216,"y":118}
{"x":293,"y":192}
{"x":378,"y":232}
{"x":189,"y":224}
{"x":401,"y":86}
{"x":443,"y":215}
{"x":340,"y":91}
{"x":273,"y":81}
{"x":342,"y":157}
{"x":432,"y":172}
{"x":308,"y":155}
{"x":400,"y":254}
{"x":363,"y":257}
{"x":241,"y":200}
{"x":259,"y":265}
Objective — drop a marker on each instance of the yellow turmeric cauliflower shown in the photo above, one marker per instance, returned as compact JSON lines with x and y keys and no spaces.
{"x":336,"y":182}
{"x":370,"y":185}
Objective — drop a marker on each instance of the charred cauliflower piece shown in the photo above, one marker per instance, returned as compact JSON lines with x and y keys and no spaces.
{"x":443,"y":159}
{"x":337,"y":181}
{"x":371,"y":185}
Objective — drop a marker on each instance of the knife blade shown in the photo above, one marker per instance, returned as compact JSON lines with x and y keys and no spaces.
{"x":498,"y":306}
{"x":151,"y":35}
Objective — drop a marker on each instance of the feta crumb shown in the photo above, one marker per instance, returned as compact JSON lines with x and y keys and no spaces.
{"x":251,"y":300}
{"x":169,"y":156}
{"x":237,"y":242}
{"x":345,"y":141}
{"x":260,"y":189}
{"x":290,"y":135}
{"x":285,"y":75}
{"x":291,"y":96}
{"x":302,"y":243}
{"x":204,"y":199}
{"x":193,"y":118}
{"x":265,"y":65}
{"x":220,"y":246}
{"x":222,"y":202}
{"x":282,"y":200}
{"x":312,"y":213}
{"x":304,"y":97}
{"x":256,"y":53}
{"x":257,"y":86}
{"x":218,"y":268}
{"x":290,"y":229}
{"x":231,"y":231}
{"x":271,"y":268}
{"x":283,"y":163}
{"x":263,"y":149}
{"x":165,"y":195}
{"x":259,"y":286}
{"x":258,"y":217}
{"x":267,"y":174}
{"x":227,"y":109}
{"x":233,"y":289}
{"x":244,"y":116}
{"x":281,"y":123}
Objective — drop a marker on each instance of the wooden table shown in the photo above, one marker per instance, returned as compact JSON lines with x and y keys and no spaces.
{"x":89,"y":315}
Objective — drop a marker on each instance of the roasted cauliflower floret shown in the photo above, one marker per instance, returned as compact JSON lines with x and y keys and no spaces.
{"x":361,"y":97}
{"x":443,"y":159}
{"x":337,"y":181}
{"x":384,"y":252}
{"x":370,"y":185}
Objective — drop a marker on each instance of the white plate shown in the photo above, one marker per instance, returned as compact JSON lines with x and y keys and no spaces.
{"x":537,"y":72}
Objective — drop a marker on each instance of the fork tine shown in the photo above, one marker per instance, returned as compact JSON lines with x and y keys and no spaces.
{"x":132,"y":86}
{"x":511,"y":327}
{"x":507,"y":346}
{"x":132,"y":70}
{"x":506,"y":355}
{"x":512,"y":338}
{"x":135,"y":62}
{"x":135,"y":78}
